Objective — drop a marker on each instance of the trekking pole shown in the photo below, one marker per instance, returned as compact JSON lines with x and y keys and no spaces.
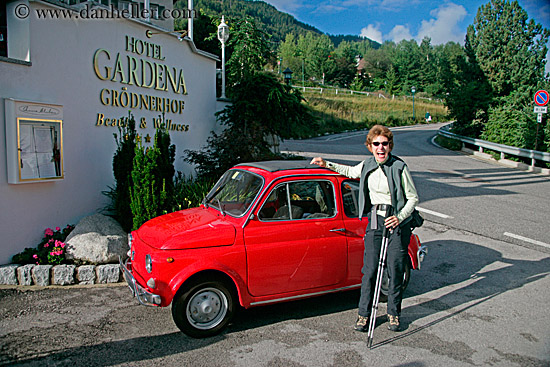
{"x":378,"y":286}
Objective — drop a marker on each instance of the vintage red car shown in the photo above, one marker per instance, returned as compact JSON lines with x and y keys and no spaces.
{"x":267,"y":232}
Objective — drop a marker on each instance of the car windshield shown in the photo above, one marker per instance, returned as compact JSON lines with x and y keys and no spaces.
{"x":234,"y":192}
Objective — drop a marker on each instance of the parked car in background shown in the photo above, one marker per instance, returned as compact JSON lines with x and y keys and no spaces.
{"x":267,"y":232}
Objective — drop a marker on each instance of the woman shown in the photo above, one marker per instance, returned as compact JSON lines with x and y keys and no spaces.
{"x":387,"y":192}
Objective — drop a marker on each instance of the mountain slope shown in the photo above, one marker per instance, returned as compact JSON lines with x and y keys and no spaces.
{"x":272,"y":21}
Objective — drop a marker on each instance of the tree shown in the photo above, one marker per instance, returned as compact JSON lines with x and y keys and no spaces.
{"x":504,"y":67}
{"x":249,"y":50}
{"x":262,"y":107}
{"x":123,"y":161}
{"x":509,"y":48}
{"x":469,"y":94}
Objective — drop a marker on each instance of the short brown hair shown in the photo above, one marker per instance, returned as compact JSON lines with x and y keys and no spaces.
{"x":378,"y":130}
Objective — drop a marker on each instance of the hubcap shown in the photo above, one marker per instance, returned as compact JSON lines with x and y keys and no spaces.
{"x":207,"y":308}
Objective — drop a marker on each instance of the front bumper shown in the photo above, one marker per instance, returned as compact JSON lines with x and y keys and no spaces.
{"x":144,"y":297}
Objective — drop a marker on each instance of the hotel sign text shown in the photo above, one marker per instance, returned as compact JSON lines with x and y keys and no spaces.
{"x":143,"y":67}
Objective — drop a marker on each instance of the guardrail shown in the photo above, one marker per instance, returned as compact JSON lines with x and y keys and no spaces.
{"x":336,"y":91}
{"x":534,"y":155}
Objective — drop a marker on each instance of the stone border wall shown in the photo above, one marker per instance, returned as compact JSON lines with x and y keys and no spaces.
{"x":44,"y":275}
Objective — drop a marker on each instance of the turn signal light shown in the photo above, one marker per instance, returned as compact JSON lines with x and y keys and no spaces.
{"x":170,"y":259}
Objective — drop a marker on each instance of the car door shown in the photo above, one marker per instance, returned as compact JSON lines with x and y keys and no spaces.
{"x":295,"y":241}
{"x":355,"y":228}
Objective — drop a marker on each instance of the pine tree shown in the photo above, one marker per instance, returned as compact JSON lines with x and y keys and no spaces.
{"x":152,"y":190}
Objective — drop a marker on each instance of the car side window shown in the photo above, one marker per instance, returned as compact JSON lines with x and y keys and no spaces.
{"x":350,"y":198}
{"x":300,"y":200}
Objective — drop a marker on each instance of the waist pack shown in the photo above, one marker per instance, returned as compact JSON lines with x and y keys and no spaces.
{"x":416,"y":219}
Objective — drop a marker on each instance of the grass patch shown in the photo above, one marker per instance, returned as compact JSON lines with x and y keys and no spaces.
{"x":341,"y":112}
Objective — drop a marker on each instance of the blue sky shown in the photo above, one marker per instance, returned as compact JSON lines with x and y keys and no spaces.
{"x":395,"y":20}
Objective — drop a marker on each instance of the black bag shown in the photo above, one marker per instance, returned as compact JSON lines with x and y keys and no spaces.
{"x":416,"y":219}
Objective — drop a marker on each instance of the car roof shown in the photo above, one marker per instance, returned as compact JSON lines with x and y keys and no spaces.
{"x":282,"y":165}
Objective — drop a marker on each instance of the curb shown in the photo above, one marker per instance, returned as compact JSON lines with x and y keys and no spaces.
{"x":45,"y":275}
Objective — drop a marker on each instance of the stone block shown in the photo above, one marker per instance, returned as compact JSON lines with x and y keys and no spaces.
{"x":97,"y":239}
{"x":109,"y":273}
{"x":24,"y":274}
{"x":85,"y":274}
{"x":41,"y":274}
{"x":8,"y":274}
{"x":63,"y":274}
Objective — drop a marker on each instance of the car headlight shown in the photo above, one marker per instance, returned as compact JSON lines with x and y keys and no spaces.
{"x":148,"y":263}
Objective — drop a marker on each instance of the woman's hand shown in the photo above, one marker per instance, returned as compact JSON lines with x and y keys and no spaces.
{"x":391,"y":222}
{"x":318,"y":161}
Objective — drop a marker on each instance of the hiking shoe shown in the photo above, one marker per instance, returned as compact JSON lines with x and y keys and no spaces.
{"x":393,"y":323}
{"x":362,"y":324}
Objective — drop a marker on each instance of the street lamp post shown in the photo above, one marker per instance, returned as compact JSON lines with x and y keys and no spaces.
{"x":288,"y":75}
{"x":223,"y":35}
{"x":413,"y":90}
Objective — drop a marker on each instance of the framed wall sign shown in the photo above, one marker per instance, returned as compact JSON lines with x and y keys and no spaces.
{"x":34,"y":141}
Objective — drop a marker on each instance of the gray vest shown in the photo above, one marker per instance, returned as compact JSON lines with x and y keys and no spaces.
{"x":393,"y":168}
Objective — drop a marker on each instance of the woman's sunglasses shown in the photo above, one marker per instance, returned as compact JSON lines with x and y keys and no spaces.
{"x":377,"y":143}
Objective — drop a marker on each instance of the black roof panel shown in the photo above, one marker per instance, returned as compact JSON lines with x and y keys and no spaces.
{"x":274,"y":166}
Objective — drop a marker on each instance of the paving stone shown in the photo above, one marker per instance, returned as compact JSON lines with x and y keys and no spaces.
{"x":109,"y":273}
{"x":8,"y":274}
{"x":86,"y":274}
{"x":63,"y":274}
{"x":24,"y":274}
{"x":41,"y":275}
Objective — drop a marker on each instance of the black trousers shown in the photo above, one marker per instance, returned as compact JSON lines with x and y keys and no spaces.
{"x":396,"y":257}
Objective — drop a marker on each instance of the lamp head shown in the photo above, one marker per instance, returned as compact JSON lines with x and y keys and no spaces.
{"x":223,"y":31}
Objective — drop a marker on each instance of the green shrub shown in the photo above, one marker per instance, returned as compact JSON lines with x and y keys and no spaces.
{"x":189,"y":192}
{"x":511,"y":126}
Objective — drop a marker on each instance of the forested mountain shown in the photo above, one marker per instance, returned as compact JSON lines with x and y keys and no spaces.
{"x":272,"y":21}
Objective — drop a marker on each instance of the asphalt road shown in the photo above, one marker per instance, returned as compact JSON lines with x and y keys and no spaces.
{"x":480,"y":299}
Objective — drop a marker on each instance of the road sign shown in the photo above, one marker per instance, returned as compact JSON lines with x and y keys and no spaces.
{"x":539,"y":118}
{"x":539,"y":109}
{"x":541,"y":98}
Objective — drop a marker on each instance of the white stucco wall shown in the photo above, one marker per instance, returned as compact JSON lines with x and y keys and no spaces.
{"x":62,"y":73}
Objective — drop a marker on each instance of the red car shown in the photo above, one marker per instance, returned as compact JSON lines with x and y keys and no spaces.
{"x":267,"y":232}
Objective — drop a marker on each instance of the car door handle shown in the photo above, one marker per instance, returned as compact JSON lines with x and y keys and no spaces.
{"x":338,"y":230}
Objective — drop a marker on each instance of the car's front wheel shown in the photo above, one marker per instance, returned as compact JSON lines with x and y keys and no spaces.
{"x":203,"y":308}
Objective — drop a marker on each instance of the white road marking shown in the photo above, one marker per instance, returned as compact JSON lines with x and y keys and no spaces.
{"x":427,"y":211}
{"x":521,"y":238}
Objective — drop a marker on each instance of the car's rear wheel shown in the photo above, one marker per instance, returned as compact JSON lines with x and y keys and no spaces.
{"x":203,"y":308}
{"x":385,"y":282}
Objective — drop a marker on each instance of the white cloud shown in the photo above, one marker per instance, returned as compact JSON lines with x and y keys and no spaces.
{"x":444,"y":27}
{"x":399,"y":33}
{"x":373,"y":32}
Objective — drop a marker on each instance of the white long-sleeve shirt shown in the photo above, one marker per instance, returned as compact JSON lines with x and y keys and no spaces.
{"x":379,"y":191}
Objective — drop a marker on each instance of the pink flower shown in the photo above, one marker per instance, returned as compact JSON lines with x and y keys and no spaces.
{"x":46,"y":245}
{"x":48,"y":232}
{"x":35,"y":256}
{"x":57,"y":229}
